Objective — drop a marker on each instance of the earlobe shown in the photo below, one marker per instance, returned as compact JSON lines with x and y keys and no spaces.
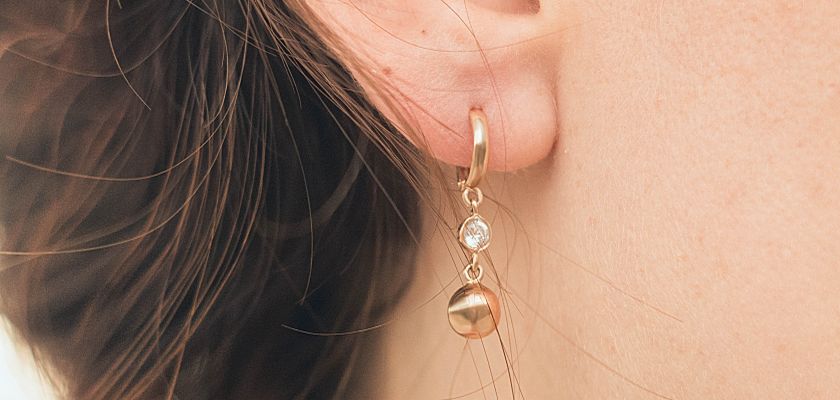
{"x":436,"y":61}
{"x":510,"y":6}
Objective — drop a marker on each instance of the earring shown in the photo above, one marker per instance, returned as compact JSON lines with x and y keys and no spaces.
{"x":474,"y":309}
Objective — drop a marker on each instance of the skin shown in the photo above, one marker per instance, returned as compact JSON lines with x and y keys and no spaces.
{"x":668,"y":176}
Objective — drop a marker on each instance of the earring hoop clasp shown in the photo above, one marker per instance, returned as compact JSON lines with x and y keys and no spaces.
{"x":481,"y":151}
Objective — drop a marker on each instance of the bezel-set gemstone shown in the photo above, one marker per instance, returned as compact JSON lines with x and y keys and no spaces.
{"x":474,"y":233}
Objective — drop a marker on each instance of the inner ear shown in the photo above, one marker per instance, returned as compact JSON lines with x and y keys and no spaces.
{"x":509,"y":6}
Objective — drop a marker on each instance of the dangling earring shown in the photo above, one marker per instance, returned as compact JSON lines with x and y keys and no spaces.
{"x":474,"y":309}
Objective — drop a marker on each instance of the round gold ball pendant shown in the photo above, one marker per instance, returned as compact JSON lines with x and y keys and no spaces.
{"x":474,"y":311}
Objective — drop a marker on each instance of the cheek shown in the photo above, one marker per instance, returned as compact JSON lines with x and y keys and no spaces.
{"x":709,"y":192}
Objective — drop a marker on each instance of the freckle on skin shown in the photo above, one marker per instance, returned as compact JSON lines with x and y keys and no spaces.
{"x":722,"y":268}
{"x":386,"y":71}
{"x":697,"y":291}
{"x":816,"y":191}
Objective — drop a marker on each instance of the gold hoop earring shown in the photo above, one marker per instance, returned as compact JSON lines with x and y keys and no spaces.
{"x":474,"y":309}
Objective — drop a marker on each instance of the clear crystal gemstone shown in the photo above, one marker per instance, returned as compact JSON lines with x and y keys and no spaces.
{"x":475,"y":233}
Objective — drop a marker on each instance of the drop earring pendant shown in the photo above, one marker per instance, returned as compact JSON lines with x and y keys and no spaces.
{"x":474,"y":309}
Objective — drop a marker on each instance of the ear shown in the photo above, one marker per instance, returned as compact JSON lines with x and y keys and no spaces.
{"x":438,"y":59}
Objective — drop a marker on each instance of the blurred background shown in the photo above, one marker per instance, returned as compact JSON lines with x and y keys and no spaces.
{"x":19,"y":379}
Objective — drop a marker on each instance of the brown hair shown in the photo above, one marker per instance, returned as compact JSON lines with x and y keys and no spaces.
{"x":182,"y":183}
